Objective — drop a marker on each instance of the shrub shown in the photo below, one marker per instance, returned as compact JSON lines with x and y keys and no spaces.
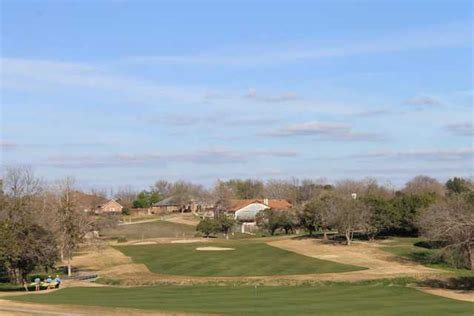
{"x":207,"y":227}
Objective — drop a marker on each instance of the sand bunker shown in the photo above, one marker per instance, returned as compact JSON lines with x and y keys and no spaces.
{"x":145,"y":243}
{"x":213,"y":249}
{"x":189,"y":241}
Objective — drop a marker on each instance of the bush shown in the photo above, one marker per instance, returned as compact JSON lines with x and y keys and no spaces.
{"x":125,"y":211}
{"x":207,"y":227}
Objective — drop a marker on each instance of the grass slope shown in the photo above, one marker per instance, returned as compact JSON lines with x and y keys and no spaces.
{"x":157,"y":229}
{"x":248,"y":258}
{"x":327,"y":299}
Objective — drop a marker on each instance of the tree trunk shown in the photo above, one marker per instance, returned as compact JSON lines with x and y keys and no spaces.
{"x":348,"y":237}
{"x":325,"y":235}
{"x":25,"y":285}
{"x":69,"y":270}
{"x":470,"y":256}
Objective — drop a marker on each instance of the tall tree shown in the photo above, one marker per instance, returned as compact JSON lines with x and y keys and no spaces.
{"x":347,"y":215}
{"x":452,"y":222}
{"x":71,"y":224}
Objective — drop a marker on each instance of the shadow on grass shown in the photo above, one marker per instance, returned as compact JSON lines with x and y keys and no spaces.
{"x":460,"y":283}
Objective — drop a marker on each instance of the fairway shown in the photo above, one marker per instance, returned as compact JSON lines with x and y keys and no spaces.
{"x":157,"y":229}
{"x":248,"y":259}
{"x":327,"y":299}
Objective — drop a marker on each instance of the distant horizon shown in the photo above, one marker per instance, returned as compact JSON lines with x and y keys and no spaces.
{"x":128,"y":93}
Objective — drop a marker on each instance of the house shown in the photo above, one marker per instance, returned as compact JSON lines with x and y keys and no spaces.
{"x":169,"y":205}
{"x":110,"y":207}
{"x":246,"y":210}
{"x":179,"y":204}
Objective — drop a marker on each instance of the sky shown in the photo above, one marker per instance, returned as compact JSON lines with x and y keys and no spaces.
{"x":119,"y":93}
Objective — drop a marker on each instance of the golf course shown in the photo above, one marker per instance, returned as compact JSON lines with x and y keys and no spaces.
{"x":165,"y":274}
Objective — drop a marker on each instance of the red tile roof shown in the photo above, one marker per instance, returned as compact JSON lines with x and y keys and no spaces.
{"x":236,"y":205}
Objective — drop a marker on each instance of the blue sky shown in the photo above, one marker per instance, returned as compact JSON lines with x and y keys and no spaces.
{"x":128,"y":92}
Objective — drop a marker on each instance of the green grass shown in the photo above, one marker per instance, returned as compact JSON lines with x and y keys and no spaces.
{"x":405,"y":247}
{"x":157,"y":229}
{"x":248,"y":258}
{"x":321,"y":299}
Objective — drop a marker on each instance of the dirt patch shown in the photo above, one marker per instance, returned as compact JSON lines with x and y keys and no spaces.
{"x":99,"y":260}
{"x":213,"y":249}
{"x":467,"y":296}
{"x":126,"y":269}
{"x":188,"y":241}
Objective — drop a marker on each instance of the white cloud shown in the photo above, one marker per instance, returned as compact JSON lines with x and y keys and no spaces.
{"x":5,"y":144}
{"x":372,"y":113}
{"x":211,"y":156}
{"x":423,"y":100}
{"x":284,"y":97}
{"x":437,"y":36}
{"x":461,"y":129}
{"x":424,"y":154}
{"x":324,"y":131}
{"x":43,"y":75}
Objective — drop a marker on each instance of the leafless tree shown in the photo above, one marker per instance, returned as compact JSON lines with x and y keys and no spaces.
{"x":71,"y":223}
{"x":281,"y":189}
{"x":125,"y":195}
{"x":163,"y":187}
{"x":347,"y":215}
{"x":424,"y":184}
{"x":22,"y":188}
{"x":452,"y":222}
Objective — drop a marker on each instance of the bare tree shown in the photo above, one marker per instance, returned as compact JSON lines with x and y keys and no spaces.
{"x":347,"y":215}
{"x":423,"y":185}
{"x":125,"y":195}
{"x":22,"y":188}
{"x":281,"y":189}
{"x":452,"y":222}
{"x":163,"y":187}
{"x":71,"y":223}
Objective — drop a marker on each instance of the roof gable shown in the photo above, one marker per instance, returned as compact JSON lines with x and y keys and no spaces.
{"x":236,"y":205}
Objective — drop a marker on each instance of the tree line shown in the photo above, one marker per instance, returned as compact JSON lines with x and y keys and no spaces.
{"x":444,"y":214}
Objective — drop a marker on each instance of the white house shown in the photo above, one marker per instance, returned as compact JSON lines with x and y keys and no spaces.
{"x":246,"y":210}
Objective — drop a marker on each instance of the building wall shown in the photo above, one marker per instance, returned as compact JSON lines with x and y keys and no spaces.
{"x":111,"y":207}
{"x":249,"y":212}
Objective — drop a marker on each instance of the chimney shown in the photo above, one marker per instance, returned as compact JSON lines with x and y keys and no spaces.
{"x":265,"y":201}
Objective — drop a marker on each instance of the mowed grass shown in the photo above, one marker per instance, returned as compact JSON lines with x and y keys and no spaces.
{"x":322,"y":299}
{"x":250,"y":258}
{"x":157,"y":229}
